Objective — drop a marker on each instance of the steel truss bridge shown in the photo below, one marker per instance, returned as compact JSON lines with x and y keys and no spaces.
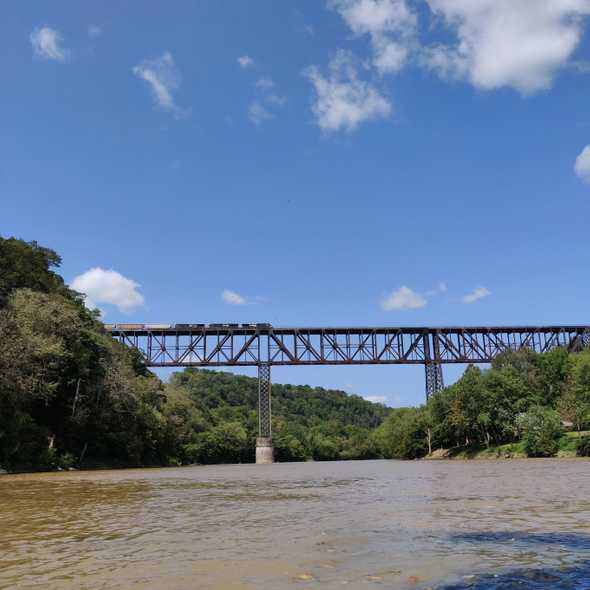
{"x":265,"y":346}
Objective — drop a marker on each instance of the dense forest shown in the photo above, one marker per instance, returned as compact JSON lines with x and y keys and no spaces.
{"x":70,"y":396}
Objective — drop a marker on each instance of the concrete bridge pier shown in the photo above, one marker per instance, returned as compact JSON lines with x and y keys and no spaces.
{"x":264,"y":448}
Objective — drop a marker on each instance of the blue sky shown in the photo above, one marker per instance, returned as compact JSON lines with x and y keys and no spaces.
{"x":354,"y":162}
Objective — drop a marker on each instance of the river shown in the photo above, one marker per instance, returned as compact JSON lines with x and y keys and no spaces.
{"x":357,"y":524}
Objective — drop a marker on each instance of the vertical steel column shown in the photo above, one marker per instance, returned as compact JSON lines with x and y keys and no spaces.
{"x":432,"y":367}
{"x":264,"y":401}
{"x":264,"y":448}
{"x":434,"y":378}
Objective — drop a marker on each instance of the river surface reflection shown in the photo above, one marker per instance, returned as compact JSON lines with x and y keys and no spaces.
{"x":382,"y":524}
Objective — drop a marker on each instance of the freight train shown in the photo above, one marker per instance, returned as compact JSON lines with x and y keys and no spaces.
{"x":182,"y":327}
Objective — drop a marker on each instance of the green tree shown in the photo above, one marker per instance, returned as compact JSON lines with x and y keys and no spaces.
{"x":26,"y":265}
{"x":225,"y":443}
{"x":541,"y":429}
{"x":553,"y":369}
{"x":401,"y":436}
{"x":574,"y":404}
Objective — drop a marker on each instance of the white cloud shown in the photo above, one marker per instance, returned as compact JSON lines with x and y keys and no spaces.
{"x":163,"y":77}
{"x":515,"y":43}
{"x":391,"y":25}
{"x":108,"y":286}
{"x":265,"y":106}
{"x":376,"y":399}
{"x":582,"y":166}
{"x":403,"y":299}
{"x":245,"y":61}
{"x":233,"y":298}
{"x":258,"y":113}
{"x":265,"y":83}
{"x":342,"y":100}
{"x":442,"y":287}
{"x":475,"y":295}
{"x":46,"y":44}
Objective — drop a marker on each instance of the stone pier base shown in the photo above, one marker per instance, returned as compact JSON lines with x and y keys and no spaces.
{"x":264,"y":451}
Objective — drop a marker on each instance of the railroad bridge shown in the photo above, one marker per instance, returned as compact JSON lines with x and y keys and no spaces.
{"x":263,"y":345}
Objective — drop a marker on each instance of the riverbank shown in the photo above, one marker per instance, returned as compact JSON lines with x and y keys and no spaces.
{"x":567,"y":450}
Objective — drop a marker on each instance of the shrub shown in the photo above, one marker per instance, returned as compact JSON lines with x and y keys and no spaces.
{"x":583,"y":447}
{"x":541,"y":430}
{"x":66,"y":461}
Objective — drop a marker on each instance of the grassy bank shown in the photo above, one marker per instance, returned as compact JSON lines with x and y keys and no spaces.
{"x":567,"y":449}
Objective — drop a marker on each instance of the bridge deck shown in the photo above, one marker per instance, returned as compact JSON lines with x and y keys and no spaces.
{"x":212,"y":346}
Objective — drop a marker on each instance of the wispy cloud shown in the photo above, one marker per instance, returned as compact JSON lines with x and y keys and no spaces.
{"x":390,"y":24}
{"x":258,"y":113}
{"x":46,"y":44}
{"x":476,"y":295}
{"x":245,"y":61}
{"x":582,"y":165}
{"x":342,"y":100}
{"x":403,"y":299}
{"x":440,"y":288}
{"x":163,"y":78}
{"x":233,"y":298}
{"x":267,"y":102}
{"x":108,"y":287}
{"x":264,"y":83}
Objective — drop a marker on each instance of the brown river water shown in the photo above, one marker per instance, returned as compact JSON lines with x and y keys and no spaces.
{"x":369,"y":524}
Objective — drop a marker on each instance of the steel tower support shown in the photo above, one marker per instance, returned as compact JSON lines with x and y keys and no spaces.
{"x":432,"y":365}
{"x":264,"y":448}
{"x":434,"y":378}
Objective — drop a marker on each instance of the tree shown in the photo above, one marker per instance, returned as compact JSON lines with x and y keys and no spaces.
{"x":287,"y":447}
{"x":541,"y":429}
{"x":574,"y":404}
{"x":225,"y":443}
{"x":26,"y":265}
{"x":401,"y":436}
{"x":553,"y":369}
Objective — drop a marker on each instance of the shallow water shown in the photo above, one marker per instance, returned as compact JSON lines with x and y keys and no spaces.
{"x":381,"y":524}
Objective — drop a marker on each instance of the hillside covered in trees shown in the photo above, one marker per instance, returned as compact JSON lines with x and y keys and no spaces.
{"x":70,"y":396}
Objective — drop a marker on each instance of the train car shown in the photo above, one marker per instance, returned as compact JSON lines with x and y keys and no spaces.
{"x":263,"y":325}
{"x":248,"y":325}
{"x":129,"y":326}
{"x":109,"y":327}
{"x":158,"y":326}
{"x":189,"y":326}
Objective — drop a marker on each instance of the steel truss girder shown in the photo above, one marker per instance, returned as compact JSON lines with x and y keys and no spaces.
{"x":209,"y":347}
